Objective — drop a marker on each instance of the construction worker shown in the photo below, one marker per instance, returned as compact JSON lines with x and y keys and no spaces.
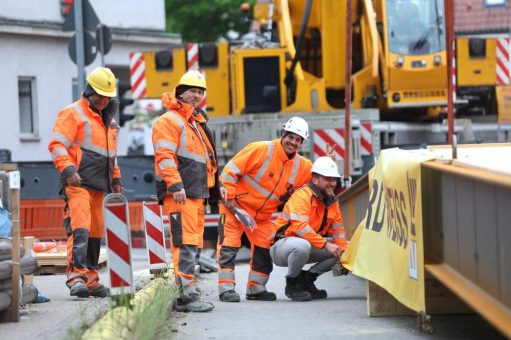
{"x":186,"y":176}
{"x":84,"y":151}
{"x":258,"y":179}
{"x":310,"y":230}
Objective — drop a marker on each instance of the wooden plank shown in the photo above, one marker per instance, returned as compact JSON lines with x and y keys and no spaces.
{"x":28,"y":242}
{"x":59,"y":259}
{"x":439,"y":300}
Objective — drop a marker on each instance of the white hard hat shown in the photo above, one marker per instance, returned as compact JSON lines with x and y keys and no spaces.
{"x":298,"y":126}
{"x":325,"y":166}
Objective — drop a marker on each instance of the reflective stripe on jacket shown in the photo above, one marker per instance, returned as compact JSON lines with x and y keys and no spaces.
{"x":183,"y":152}
{"x":81,"y":143}
{"x":303,"y":216}
{"x":260,"y":176}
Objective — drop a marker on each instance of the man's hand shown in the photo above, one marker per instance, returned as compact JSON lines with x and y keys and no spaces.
{"x":330,"y":151}
{"x":230,"y":204}
{"x":179,"y":196}
{"x":74,"y":180}
{"x":118,"y":189}
{"x":223,"y":194}
{"x":334,"y":249}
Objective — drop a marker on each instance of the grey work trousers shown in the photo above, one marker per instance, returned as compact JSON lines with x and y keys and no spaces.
{"x":295,"y":252}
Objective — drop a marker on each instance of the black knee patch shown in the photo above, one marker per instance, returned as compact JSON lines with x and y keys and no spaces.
{"x":261,"y":260}
{"x":176,"y":229}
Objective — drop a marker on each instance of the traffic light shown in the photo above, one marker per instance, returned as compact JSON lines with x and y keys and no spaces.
{"x":124,"y":100}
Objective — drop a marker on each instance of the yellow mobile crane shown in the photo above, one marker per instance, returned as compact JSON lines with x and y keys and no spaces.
{"x":297,"y":61}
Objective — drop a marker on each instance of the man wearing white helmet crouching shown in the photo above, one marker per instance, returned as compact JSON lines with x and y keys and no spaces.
{"x":256,"y":181}
{"x":310,"y":230}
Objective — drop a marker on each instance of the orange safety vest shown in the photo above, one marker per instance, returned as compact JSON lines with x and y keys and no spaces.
{"x":261,"y":177}
{"x":184,"y":152}
{"x":81,"y":143}
{"x":304,"y":216}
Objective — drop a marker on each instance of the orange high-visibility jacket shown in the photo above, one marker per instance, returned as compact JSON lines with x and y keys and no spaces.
{"x":81,"y":143}
{"x":184,"y":152}
{"x":260,"y":176}
{"x":304,"y":216}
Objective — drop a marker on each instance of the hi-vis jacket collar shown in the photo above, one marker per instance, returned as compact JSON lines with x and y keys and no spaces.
{"x":327,"y":201}
{"x":170,"y":101}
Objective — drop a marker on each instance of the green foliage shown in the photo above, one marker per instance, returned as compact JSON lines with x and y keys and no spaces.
{"x":205,"y":20}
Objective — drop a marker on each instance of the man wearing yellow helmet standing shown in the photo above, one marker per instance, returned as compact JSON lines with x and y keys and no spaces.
{"x":84,"y":151}
{"x":186,"y":177}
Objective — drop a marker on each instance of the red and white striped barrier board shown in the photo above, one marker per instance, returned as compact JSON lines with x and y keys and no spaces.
{"x":366,"y":139}
{"x":118,"y":244}
{"x":137,"y":75}
{"x":322,"y":137}
{"x":155,"y":236}
{"x":503,"y":62}
{"x":192,"y":63}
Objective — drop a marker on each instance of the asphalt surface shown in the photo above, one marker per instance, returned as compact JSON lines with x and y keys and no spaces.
{"x":342,"y":314}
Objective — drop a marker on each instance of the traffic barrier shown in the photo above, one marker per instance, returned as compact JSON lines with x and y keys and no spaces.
{"x":118,"y":241}
{"x":155,"y":236}
{"x":137,"y":75}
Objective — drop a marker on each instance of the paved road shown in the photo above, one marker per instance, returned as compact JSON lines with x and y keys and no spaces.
{"x":342,"y":315}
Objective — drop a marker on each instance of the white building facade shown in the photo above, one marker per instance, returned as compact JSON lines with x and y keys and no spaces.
{"x":38,"y":74}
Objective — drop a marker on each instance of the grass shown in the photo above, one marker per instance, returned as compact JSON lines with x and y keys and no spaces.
{"x":142,"y":316}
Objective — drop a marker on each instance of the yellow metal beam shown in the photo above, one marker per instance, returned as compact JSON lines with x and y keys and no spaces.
{"x":489,"y":307}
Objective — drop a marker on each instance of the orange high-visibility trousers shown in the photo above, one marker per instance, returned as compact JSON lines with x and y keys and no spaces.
{"x":83,"y":219}
{"x":187,"y":231}
{"x":229,"y":241}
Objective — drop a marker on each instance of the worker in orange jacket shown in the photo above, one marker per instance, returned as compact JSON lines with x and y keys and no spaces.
{"x":310,"y":230}
{"x":257,"y":180}
{"x":84,"y":150}
{"x":186,"y":177}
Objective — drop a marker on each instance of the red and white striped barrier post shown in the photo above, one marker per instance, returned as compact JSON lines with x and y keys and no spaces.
{"x":118,"y":242}
{"x":192,"y":63}
{"x":155,"y":237}
{"x":137,"y":75}
{"x":503,"y":61}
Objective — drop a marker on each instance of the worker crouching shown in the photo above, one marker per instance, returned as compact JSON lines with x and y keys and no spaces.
{"x":310,"y":230}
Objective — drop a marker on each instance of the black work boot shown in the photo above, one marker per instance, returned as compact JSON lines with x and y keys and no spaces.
{"x":262,"y":296}
{"x":229,"y":296}
{"x":295,"y":291}
{"x":307,"y":280}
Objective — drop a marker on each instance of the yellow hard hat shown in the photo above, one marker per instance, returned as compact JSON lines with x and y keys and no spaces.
{"x":193,"y":78}
{"x":103,"y":82}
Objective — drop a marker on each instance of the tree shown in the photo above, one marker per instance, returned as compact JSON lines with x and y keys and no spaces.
{"x":205,"y":20}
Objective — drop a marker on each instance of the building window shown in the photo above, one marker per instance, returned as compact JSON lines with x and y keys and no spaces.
{"x":490,"y":3}
{"x":28,"y":116}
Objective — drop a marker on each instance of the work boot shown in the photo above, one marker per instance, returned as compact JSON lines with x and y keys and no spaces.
{"x":295,"y":291}
{"x":262,"y":296}
{"x":192,"y":303}
{"x":79,"y":289}
{"x":307,"y":281}
{"x":229,"y":296}
{"x":99,"y":291}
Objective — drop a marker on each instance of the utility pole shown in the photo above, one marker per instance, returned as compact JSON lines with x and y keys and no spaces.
{"x":80,"y":58}
{"x":449,"y":27}
{"x":347,"y":99}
